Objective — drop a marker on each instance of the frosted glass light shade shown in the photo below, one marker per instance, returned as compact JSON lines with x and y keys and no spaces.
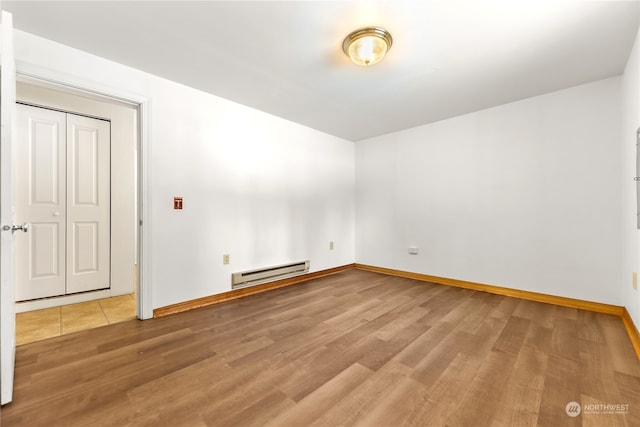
{"x":367,"y":46}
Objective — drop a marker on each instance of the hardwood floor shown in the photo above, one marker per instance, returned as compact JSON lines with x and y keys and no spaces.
{"x":353,"y":349}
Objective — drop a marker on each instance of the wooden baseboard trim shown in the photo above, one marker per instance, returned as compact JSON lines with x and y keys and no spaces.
{"x":239,"y":293}
{"x":516,"y":293}
{"x":632,"y":331}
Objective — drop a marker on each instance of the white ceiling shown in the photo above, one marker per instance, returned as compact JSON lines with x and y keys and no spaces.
{"x":284,"y":57}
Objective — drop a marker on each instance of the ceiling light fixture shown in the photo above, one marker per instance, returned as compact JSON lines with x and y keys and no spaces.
{"x":367,"y":46}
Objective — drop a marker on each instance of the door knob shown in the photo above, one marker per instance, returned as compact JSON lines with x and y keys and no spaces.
{"x":24,"y":227}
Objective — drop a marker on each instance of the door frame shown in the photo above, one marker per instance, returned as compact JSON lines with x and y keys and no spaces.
{"x":72,"y":83}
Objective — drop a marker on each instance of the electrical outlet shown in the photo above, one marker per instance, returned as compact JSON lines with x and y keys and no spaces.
{"x":413,"y":250}
{"x":635,"y":281}
{"x":330,"y":246}
{"x":226,"y":259}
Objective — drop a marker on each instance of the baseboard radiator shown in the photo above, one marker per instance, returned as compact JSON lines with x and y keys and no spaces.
{"x":268,"y":274}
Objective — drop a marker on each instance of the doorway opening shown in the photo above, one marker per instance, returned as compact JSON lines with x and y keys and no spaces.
{"x":117,"y":297}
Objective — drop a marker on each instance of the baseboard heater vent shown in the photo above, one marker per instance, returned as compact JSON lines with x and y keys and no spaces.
{"x":268,"y":274}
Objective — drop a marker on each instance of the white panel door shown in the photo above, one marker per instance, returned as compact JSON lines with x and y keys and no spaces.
{"x":88,"y":199}
{"x":41,"y":202}
{"x":7,"y":284}
{"x":63,"y":173}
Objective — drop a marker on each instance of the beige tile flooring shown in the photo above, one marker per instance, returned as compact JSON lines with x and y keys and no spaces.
{"x":52,"y":322}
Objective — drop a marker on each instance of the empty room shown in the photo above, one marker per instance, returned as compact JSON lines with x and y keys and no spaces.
{"x":320,"y":213}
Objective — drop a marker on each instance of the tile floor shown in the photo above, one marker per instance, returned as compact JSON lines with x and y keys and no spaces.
{"x":52,"y":322}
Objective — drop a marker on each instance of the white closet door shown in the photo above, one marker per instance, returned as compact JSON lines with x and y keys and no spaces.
{"x":40,"y":202}
{"x":88,"y":203}
{"x":63,"y":173}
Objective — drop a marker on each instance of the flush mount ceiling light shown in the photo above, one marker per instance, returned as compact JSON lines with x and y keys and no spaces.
{"x":367,"y":46}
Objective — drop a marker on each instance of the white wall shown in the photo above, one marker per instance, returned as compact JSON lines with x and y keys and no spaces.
{"x":262,"y":189}
{"x":525,"y":195}
{"x":631,"y":123}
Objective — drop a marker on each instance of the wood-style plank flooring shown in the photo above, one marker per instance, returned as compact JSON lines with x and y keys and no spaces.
{"x":353,"y":349}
